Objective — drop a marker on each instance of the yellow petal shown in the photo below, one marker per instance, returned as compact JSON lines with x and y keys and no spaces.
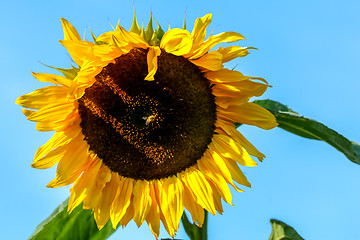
{"x":213,"y":174}
{"x":217,"y":200}
{"x":232,"y":52}
{"x":214,"y":40}
{"x":199,"y":31}
{"x":51,"y":126}
{"x":227,"y":147}
{"x":52,"y":78}
{"x":238,"y":137}
{"x":79,"y":51}
{"x":102,"y":210}
{"x":172,"y":201}
{"x":158,"y":187}
{"x":211,"y":61}
{"x":84,"y":79}
{"x":54,"y":112}
{"x":196,"y":211}
{"x":105,"y":53}
{"x":80,"y":190}
{"x":43,"y":96}
{"x":240,"y":89}
{"x":27,"y":112}
{"x":94,"y":189}
{"x":249,"y":113}
{"x":50,"y":159}
{"x":225,"y":102}
{"x":128,"y":215}
{"x":236,"y":172}
{"x":72,"y":164}
{"x":122,"y":200}
{"x":153,"y":217}
{"x":223,"y":169}
{"x":227,"y":90}
{"x":152,"y":63}
{"x":177,"y":41}
{"x":59,"y":139}
{"x":105,"y":37}
{"x":199,"y":187}
{"x":142,"y":201}
{"x":225,"y":76}
{"x":133,"y":39}
{"x":70,"y":32}
{"x":72,"y":119}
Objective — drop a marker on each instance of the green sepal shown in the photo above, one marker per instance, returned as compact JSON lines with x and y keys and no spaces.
{"x":159,"y":31}
{"x":135,"y":26}
{"x":101,"y":43}
{"x":154,"y":40}
{"x":149,"y":31}
{"x":184,"y":25}
{"x":309,"y":128}
{"x":98,"y":42}
{"x":142,"y":34}
{"x":93,"y":35}
{"x":194,"y":232}
{"x":237,"y":124}
{"x":78,"y":225}
{"x":68,"y":73}
{"x":282,"y":231}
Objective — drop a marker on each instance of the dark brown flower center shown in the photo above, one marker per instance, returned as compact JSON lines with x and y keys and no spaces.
{"x":148,"y":129}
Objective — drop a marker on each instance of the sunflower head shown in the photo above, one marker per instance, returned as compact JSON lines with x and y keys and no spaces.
{"x":144,"y":126}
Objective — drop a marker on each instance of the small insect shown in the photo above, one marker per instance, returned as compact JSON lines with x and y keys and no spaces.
{"x":149,"y":119}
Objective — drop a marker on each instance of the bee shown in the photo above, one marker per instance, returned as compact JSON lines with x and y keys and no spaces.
{"x":149,"y":119}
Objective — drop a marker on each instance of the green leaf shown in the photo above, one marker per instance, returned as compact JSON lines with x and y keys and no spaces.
{"x":68,"y":73}
{"x":193,"y":231}
{"x":309,"y":128}
{"x":282,"y":231}
{"x":78,"y":225}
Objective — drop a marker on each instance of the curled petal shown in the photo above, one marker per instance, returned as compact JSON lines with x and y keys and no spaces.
{"x":152,"y":55}
{"x":177,"y":41}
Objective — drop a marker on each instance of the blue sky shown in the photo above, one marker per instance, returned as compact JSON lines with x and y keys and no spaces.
{"x":309,"y":51}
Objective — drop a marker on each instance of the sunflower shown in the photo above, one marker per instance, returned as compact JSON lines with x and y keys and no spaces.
{"x":144,"y":125}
